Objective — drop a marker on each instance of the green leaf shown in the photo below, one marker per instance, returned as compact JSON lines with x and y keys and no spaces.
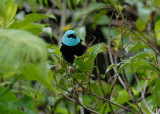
{"x":100,"y":19}
{"x":136,"y":47}
{"x":143,"y":12}
{"x":121,"y":95}
{"x":81,"y":32}
{"x":30,"y":19}
{"x":8,"y":95}
{"x":33,"y":4}
{"x":58,"y":4}
{"x":23,"y":53}
{"x":156,"y":92}
{"x":136,"y":61}
{"x":79,"y":76}
{"x":34,"y":28}
{"x":157,"y":29}
{"x":28,"y":91}
{"x":96,"y":49}
{"x":113,"y":32}
{"x":93,"y":6}
{"x":157,"y":18}
{"x":9,"y":108}
{"x":122,"y":67}
{"x":8,"y":10}
{"x":95,"y":88}
{"x":46,"y":2}
{"x":81,"y":64}
{"x":20,"y":3}
{"x":140,"y":55}
{"x":69,"y":4}
{"x":143,"y":64}
{"x":140,"y":24}
{"x":23,"y":50}
{"x":111,"y":66}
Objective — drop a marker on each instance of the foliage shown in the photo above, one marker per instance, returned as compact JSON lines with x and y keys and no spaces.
{"x":34,"y":77}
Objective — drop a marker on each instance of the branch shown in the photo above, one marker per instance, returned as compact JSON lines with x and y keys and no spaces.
{"x":143,"y":92}
{"x":35,"y":97}
{"x":80,"y":104}
{"x":131,"y":30}
{"x":90,"y":44}
{"x":110,"y":53}
{"x":129,"y":90}
{"x":100,"y":83}
{"x":104,"y":99}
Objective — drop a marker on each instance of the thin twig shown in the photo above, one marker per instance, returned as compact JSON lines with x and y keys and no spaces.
{"x":129,"y":90}
{"x":81,"y":101}
{"x":110,"y":53}
{"x":90,"y":44}
{"x":104,"y":99}
{"x":143,"y":92}
{"x":143,"y":40}
{"x":90,"y":110}
{"x":35,"y":97}
{"x":105,"y":96}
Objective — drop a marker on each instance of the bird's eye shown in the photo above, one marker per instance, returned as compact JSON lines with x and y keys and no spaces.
{"x":72,"y":36}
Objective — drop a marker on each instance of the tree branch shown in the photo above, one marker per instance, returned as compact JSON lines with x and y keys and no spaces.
{"x":129,"y":90}
{"x":104,"y":99}
{"x":80,"y":104}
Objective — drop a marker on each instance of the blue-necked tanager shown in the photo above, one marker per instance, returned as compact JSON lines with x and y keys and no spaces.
{"x":72,"y":46}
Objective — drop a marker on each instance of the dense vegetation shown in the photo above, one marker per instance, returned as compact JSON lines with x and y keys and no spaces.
{"x":119,"y":73}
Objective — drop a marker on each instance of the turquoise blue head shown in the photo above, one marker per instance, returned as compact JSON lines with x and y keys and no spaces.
{"x":70,"y":38}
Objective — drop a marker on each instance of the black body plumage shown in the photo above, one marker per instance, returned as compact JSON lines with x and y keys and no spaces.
{"x":69,"y":52}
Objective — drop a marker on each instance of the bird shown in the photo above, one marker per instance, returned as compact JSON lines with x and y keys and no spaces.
{"x":72,"y":46}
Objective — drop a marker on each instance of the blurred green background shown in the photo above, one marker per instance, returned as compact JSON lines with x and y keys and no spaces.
{"x":122,"y":65}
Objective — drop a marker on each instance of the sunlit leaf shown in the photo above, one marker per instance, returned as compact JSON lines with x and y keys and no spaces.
{"x":157,"y":31}
{"x":8,"y":10}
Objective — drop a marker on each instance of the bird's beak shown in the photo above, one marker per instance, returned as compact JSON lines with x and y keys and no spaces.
{"x":74,"y":36}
